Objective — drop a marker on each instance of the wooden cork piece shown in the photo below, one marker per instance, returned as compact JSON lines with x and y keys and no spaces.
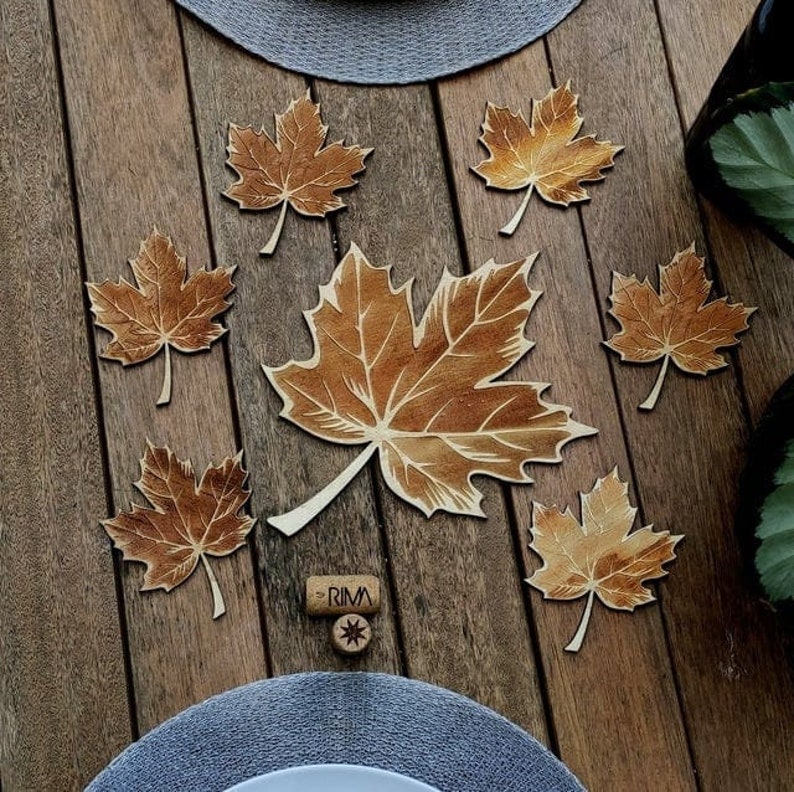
{"x":351,"y":634}
{"x":332,"y":595}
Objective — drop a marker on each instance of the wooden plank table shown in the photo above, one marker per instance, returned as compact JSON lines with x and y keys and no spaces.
{"x":114,"y":120}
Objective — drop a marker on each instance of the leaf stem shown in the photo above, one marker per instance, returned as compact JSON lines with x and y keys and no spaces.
{"x":653,"y":396}
{"x":576,"y":642}
{"x":219,"y":608}
{"x":165,"y":393}
{"x":291,"y":522}
{"x":268,"y":249}
{"x":510,"y":228}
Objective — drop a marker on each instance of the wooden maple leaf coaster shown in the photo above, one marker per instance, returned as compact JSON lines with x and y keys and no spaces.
{"x":187,"y":523}
{"x":164,"y":310}
{"x":546,"y":155}
{"x":675,"y":323}
{"x":601,"y":556}
{"x":424,"y":396}
{"x":295,"y":169}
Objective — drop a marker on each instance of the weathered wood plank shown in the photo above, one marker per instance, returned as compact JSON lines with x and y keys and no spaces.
{"x":748,"y":264}
{"x":457,"y":582}
{"x":136,"y":168}
{"x":624,"y":658}
{"x":287,"y":465}
{"x":63,"y":696}
{"x":732,"y":670}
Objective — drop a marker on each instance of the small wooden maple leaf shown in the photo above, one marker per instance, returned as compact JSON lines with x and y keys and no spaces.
{"x":423,"y":397}
{"x":187,"y":523}
{"x":601,"y":556}
{"x":296,"y":169}
{"x":545,"y":155}
{"x":675,"y":323}
{"x":164,"y":310}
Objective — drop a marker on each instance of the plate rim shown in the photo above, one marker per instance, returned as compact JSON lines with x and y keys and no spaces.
{"x":333,"y":767}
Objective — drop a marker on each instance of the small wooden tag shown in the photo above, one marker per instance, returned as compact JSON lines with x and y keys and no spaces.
{"x":332,"y":595}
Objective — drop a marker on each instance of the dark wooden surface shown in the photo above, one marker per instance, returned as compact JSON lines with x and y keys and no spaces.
{"x":113,"y":119}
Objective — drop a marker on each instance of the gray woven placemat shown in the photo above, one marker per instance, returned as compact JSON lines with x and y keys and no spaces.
{"x":408,"y":727}
{"x":374,"y":41}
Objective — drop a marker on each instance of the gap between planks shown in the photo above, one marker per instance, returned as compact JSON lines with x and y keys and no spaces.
{"x":516,"y":534}
{"x":227,"y":365}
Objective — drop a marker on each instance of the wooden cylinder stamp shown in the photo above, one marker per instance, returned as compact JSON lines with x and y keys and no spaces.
{"x":332,"y":595}
{"x":351,"y":634}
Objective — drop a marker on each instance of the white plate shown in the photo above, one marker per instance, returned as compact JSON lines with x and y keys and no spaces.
{"x":332,"y":778}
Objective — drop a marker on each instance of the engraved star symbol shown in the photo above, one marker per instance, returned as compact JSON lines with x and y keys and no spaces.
{"x":353,"y":632}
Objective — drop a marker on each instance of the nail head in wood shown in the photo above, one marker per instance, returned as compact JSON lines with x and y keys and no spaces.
{"x":351,"y":634}
{"x":332,"y":595}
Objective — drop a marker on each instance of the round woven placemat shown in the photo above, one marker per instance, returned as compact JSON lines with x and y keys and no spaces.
{"x":374,"y":41}
{"x":412,"y":728}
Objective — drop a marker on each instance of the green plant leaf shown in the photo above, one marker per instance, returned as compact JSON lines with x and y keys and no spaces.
{"x":754,"y":156}
{"x":774,"y":559}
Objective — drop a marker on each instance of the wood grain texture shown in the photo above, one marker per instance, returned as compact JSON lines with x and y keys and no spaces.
{"x":63,"y":696}
{"x":733,"y":673}
{"x":266,"y":326}
{"x":624,"y":657}
{"x":613,"y":710}
{"x":458,"y":585}
{"x":136,"y":168}
{"x":747,"y":263}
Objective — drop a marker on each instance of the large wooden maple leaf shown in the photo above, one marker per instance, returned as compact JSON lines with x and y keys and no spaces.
{"x":423,"y":397}
{"x":188,"y":522}
{"x":601,"y":556}
{"x":675,"y":323}
{"x":295,"y":169}
{"x":166,"y":309}
{"x":545,"y":155}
